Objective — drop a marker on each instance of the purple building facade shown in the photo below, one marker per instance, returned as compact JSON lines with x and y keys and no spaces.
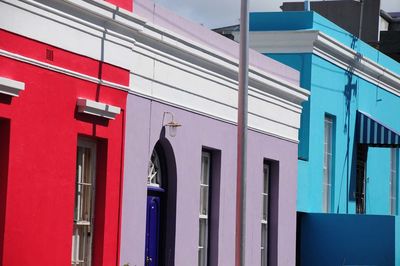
{"x":150,"y":198}
{"x":190,"y":77}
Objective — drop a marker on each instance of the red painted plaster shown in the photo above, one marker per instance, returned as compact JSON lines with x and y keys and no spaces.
{"x":125,"y":4}
{"x":37,"y":50}
{"x":44,"y":129}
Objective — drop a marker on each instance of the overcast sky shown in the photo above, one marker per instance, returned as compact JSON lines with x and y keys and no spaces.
{"x":218,"y":13}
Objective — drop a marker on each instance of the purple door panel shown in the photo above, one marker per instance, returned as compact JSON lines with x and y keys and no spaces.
{"x":152,"y":231}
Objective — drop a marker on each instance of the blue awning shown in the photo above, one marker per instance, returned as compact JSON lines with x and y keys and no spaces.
{"x":373,"y":133}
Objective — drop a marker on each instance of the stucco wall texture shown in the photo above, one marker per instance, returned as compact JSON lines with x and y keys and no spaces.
{"x":143,"y":127}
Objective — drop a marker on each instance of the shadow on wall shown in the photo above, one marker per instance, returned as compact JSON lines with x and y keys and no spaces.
{"x":349,"y":168}
{"x":168,"y":223}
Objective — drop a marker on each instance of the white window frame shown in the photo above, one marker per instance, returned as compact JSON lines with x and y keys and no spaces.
{"x":204,"y":209}
{"x":393,"y":181}
{"x":327,"y":163}
{"x":265,"y":194}
{"x":80,"y":223}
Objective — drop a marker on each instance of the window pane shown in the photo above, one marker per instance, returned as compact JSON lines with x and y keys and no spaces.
{"x":201,"y":257}
{"x":264,"y":244}
{"x":204,"y":207}
{"x":265,"y":214}
{"x":83,"y":194}
{"x":84,"y":200}
{"x":393,"y":181}
{"x":203,"y":241}
{"x":265,"y":207}
{"x":203,"y":233}
{"x":266,"y":179}
{"x":154,"y":171}
{"x":327,"y":167}
{"x":81,"y":242}
{"x":205,"y":168}
{"x":204,"y":200}
{"x":325,"y":199}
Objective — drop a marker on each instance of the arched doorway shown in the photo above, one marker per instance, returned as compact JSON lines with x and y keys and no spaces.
{"x":160,"y":210}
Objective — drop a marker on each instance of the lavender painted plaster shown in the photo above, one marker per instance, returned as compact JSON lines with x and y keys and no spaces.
{"x":167,"y":19}
{"x":143,"y":126}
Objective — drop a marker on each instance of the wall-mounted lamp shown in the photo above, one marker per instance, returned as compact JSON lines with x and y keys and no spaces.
{"x":172,"y":125}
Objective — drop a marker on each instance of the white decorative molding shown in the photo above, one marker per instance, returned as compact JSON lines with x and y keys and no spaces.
{"x":91,"y":107}
{"x":349,"y":59}
{"x":62,"y":70}
{"x":11,"y":87}
{"x":153,"y":35}
{"x":281,"y":41}
{"x":164,"y":66}
{"x":313,"y":41}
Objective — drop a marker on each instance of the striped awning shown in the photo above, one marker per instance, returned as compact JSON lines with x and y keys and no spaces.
{"x":374,"y":133}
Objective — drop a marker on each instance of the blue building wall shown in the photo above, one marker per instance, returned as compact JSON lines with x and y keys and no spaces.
{"x":334,"y":239}
{"x":340,"y":93}
{"x":397,"y":234}
{"x":283,"y":21}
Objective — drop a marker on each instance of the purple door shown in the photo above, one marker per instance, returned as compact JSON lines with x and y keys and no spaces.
{"x":152,"y":231}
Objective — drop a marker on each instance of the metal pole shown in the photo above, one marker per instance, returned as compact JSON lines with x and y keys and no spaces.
{"x":361,"y":19}
{"x":242,"y":136}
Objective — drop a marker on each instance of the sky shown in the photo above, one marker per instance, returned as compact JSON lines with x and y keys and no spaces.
{"x":219,"y":13}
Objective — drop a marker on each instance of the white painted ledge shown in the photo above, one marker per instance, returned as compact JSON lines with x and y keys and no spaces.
{"x":11,"y":87}
{"x":97,"y":108}
{"x":328,"y":48}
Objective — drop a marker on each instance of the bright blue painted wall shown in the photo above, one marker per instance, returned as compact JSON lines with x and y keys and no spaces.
{"x":337,"y":92}
{"x":262,"y":21}
{"x":397,"y":234}
{"x":302,"y":63}
{"x":378,"y":176}
{"x":334,"y":239}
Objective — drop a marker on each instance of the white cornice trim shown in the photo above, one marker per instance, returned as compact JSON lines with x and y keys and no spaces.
{"x":100,"y":109}
{"x":282,"y":91}
{"x":133,"y":27}
{"x":206,"y":80}
{"x":11,"y":87}
{"x":62,"y":70}
{"x":312,"y":41}
{"x":364,"y":67}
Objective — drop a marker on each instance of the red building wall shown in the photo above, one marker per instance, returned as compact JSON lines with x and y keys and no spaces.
{"x":125,"y":4}
{"x":40,"y":178}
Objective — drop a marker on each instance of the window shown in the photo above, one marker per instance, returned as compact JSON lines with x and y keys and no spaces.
{"x":265,"y":214}
{"x":361,"y":174}
{"x":328,"y":160}
{"x":154,"y":177}
{"x":82,"y":234}
{"x":393,"y":181}
{"x":4,"y":159}
{"x":204,"y":207}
